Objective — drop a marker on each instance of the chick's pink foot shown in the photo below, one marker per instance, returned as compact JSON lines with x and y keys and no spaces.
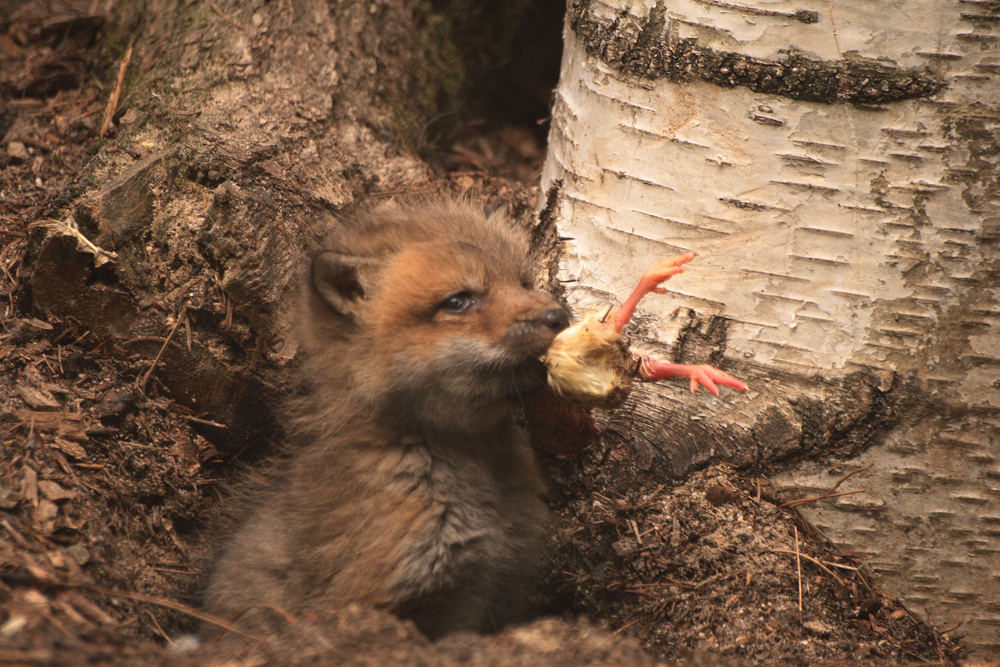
{"x":651,"y":369}
{"x":650,"y":282}
{"x":654,"y":369}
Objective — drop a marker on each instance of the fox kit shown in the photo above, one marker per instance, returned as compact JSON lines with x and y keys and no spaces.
{"x":412,"y":486}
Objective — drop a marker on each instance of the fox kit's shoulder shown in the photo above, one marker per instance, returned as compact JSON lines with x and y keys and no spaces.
{"x":413,"y":487}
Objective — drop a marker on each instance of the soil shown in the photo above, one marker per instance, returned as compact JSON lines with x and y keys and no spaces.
{"x":105,"y":482}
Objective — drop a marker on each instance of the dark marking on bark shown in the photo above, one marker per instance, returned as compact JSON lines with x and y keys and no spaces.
{"x":546,"y":246}
{"x":650,"y":48}
{"x":800,"y":15}
{"x":701,"y":341}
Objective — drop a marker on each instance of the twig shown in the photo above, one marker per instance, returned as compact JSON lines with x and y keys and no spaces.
{"x":227,"y":18}
{"x":9,"y":277}
{"x":177,"y":324}
{"x":168,"y":604}
{"x":798,"y":569}
{"x":273,"y":607}
{"x":625,"y":627}
{"x":937,"y":642}
{"x":667,"y":581}
{"x":812,"y":560}
{"x":47,"y":364}
{"x":711,"y":579}
{"x":205,"y":422}
{"x":950,"y":628}
{"x":848,"y":476}
{"x":841,"y":566}
{"x":139,"y":597}
{"x":144,"y":339}
{"x":157,"y":626}
{"x":18,"y":537}
{"x":803,"y":501}
{"x":635,"y":529}
{"x":109,"y":111}
{"x":831,"y":493}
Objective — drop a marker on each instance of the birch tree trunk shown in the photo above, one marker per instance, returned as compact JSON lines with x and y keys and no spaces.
{"x":834,"y":167}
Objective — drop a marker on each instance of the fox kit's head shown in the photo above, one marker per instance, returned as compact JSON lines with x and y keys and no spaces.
{"x":432,"y":313}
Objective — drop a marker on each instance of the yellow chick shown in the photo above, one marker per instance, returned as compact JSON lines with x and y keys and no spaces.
{"x":590,"y":363}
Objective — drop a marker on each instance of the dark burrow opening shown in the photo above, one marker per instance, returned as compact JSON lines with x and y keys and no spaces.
{"x":499,"y":124}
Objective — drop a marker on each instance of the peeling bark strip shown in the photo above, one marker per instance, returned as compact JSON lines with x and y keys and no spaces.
{"x":650,"y":48}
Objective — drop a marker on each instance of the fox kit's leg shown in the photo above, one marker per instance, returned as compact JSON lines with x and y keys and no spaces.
{"x":249,"y":579}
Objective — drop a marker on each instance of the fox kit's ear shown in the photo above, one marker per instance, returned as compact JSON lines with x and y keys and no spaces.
{"x":343,"y":281}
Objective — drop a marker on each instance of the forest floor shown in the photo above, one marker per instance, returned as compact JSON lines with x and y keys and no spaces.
{"x":105,"y":485}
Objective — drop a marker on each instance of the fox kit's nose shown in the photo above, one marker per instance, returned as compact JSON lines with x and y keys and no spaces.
{"x":556,"y":319}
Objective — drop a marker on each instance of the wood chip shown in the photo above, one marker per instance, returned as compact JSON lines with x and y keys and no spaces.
{"x":29,"y":486}
{"x":38,"y":398}
{"x":47,"y":511}
{"x":53,"y":491}
{"x":35,"y":598}
{"x":66,"y":424}
{"x":23,"y":331}
{"x":9,"y":498}
{"x":36,"y":570}
{"x":10,"y":47}
{"x":47,"y":420}
{"x":70,"y":449}
{"x":79,"y":553}
{"x":57,"y":559}
{"x":818,"y":628}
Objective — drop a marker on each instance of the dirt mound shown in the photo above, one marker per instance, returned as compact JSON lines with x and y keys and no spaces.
{"x":722,"y":565}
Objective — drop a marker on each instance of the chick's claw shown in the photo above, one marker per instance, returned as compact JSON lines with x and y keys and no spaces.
{"x":651,"y":370}
{"x":650,"y":282}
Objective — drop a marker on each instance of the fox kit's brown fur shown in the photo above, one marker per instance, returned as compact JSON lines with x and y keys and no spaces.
{"x":413,"y":487}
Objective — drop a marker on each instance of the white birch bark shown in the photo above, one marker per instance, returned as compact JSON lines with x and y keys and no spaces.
{"x":834,"y":165}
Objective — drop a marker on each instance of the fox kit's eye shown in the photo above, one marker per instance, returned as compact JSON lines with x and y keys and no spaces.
{"x":457,"y":303}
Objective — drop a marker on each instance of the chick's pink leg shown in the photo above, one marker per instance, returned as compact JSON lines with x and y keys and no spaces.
{"x":654,"y":369}
{"x":650,"y":282}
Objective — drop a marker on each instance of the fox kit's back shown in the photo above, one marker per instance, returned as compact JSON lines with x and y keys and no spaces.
{"x":413,"y":487}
